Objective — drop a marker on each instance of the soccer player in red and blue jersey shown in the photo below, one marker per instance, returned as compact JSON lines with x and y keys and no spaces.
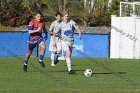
{"x":35,"y":29}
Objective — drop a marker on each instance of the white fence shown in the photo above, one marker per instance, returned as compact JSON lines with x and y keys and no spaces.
{"x":125,"y":37}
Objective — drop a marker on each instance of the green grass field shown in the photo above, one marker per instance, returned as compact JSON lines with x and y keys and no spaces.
{"x":110,"y":76}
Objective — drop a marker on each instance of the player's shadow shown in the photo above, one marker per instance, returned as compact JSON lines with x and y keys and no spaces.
{"x":66,"y":70}
{"x":111,"y":73}
{"x":103,"y":72}
{"x":82,"y":70}
{"x":73,"y":65}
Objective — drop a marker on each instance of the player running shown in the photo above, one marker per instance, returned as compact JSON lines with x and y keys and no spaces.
{"x":55,"y":42}
{"x":35,"y":29}
{"x":67,"y":28}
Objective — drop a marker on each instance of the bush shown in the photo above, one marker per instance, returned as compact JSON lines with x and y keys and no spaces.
{"x":14,"y":14}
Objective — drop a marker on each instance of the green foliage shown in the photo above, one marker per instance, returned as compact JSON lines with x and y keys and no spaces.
{"x":101,"y":18}
{"x":14,"y":14}
{"x":98,"y":16}
{"x":52,"y":6}
{"x":18,"y":12}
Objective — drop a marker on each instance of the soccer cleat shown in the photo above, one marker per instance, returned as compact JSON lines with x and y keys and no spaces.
{"x":52,"y":64}
{"x":61,"y":58}
{"x":42,"y":64}
{"x":71,"y":72}
{"x":25,"y":68}
{"x":56,"y":59}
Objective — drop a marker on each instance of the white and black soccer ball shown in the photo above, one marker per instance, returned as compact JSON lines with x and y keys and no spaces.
{"x":88,"y":72}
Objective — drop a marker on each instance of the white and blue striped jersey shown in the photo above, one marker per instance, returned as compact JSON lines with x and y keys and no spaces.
{"x":53,"y":28}
{"x":67,"y":30}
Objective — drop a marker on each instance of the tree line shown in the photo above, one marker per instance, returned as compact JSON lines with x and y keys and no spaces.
{"x":85,"y":12}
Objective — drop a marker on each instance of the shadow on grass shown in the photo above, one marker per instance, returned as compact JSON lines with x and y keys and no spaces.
{"x":111,"y":73}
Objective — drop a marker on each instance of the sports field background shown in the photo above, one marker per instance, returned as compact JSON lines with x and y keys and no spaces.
{"x":110,"y":76}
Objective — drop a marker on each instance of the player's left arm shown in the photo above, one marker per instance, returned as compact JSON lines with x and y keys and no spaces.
{"x":78,"y":30}
{"x":45,"y":31}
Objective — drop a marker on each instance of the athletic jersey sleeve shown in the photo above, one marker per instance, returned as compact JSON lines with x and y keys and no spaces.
{"x":51,"y":27}
{"x":58,"y":28}
{"x":74,"y":24}
{"x":31,"y":25}
{"x":42,"y":24}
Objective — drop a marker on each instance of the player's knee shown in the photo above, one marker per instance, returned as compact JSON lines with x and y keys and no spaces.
{"x":29,"y":52}
{"x":54,"y":52}
{"x":43,"y":48}
{"x":68,"y":53}
{"x":59,"y":52}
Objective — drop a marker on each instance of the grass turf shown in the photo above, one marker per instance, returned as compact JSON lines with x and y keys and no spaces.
{"x":110,"y":76}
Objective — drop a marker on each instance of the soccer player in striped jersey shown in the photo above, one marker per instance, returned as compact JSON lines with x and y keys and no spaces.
{"x":67,"y":28}
{"x":55,"y":42}
{"x":35,"y":29}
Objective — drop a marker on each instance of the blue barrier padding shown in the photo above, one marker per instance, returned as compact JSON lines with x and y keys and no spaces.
{"x":91,"y":45}
{"x":14,"y":44}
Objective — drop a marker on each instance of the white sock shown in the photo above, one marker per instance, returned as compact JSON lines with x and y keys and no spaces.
{"x":52,"y":57}
{"x":68,"y":61}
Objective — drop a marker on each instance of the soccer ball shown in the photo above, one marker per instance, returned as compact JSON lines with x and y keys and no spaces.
{"x":88,"y":73}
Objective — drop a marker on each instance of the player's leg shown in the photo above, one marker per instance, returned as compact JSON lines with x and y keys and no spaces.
{"x":52,"y":48}
{"x":62,"y":57}
{"x":66,"y":48}
{"x":53,"y":54}
{"x":31,"y":46}
{"x":29,"y":52}
{"x":68,"y":53}
{"x":58,"y":46}
{"x":58,"y":52}
{"x":43,"y":49}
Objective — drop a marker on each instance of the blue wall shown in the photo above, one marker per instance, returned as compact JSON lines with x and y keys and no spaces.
{"x":15,"y":44}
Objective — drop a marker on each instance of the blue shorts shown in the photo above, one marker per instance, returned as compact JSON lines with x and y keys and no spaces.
{"x":31,"y":45}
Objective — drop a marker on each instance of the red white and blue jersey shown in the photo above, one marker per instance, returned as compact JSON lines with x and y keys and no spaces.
{"x":34,"y":25}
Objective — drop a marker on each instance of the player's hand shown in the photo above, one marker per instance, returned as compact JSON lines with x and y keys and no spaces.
{"x":79,"y":37}
{"x":39,"y":29}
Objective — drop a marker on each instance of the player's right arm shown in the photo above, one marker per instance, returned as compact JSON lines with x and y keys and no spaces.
{"x":33,"y":31}
{"x":51,"y":31}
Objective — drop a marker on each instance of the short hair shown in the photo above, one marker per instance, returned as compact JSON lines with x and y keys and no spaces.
{"x":58,"y":13}
{"x":64,"y":13}
{"x":37,"y":12}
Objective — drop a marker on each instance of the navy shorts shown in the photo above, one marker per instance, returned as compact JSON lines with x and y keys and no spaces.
{"x":31,"y":45}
